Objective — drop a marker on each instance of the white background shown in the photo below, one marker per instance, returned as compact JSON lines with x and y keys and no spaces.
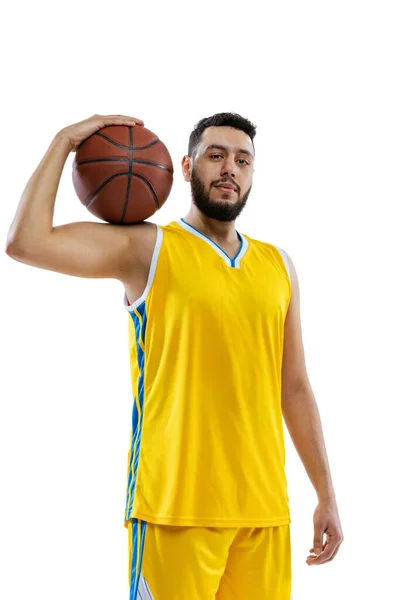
{"x":321,"y":82}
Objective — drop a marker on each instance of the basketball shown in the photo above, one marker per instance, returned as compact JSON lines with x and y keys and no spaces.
{"x":122,"y":174}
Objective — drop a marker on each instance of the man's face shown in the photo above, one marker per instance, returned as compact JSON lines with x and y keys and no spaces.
{"x":232,"y":162}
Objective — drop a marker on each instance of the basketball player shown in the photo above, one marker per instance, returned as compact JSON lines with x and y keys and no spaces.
{"x":217,"y":359}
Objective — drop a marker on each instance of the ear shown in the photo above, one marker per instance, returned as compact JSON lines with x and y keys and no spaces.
{"x":186,"y":167}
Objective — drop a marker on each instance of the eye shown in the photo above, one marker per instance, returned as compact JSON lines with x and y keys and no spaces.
{"x":220,"y":156}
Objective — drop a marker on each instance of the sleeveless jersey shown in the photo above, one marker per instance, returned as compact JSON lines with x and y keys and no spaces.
{"x":206,"y":342}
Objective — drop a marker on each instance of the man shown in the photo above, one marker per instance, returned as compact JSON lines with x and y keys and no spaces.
{"x":217,"y":359}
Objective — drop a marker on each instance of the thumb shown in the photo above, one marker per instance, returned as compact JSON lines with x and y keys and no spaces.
{"x":318,"y":541}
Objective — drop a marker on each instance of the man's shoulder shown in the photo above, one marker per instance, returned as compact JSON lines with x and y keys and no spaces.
{"x":262,"y":244}
{"x":271,"y":250}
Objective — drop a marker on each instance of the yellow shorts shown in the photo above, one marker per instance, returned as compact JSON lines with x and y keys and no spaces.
{"x":208,"y":563}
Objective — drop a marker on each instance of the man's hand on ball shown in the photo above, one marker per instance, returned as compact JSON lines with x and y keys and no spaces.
{"x":78,"y":132}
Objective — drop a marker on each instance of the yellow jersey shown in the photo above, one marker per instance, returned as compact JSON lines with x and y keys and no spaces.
{"x":205,"y":345}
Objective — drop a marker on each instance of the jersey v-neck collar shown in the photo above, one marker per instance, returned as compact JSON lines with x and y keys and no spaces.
{"x":230,"y":262}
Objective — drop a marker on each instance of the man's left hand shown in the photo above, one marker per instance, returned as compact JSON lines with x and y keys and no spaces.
{"x":326,"y":520}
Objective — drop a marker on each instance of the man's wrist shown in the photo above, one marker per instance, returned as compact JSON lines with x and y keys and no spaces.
{"x":326,"y":497}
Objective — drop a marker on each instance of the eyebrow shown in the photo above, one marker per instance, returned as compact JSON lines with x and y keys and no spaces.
{"x":219,"y":147}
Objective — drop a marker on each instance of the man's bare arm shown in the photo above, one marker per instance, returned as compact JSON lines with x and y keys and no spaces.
{"x":299,"y":407}
{"x":302,"y":419}
{"x":93,"y":250}
{"x":83,"y":249}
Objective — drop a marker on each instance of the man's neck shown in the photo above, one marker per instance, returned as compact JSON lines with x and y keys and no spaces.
{"x":222,"y":231}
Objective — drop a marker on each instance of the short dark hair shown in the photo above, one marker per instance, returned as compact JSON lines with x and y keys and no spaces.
{"x":220,"y":120}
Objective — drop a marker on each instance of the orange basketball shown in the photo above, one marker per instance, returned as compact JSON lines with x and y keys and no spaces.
{"x":122,"y":174}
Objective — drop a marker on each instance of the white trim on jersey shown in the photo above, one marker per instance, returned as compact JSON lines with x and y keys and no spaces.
{"x":285,"y":260}
{"x":150,"y":278}
{"x":242,"y":252}
{"x":230,"y":262}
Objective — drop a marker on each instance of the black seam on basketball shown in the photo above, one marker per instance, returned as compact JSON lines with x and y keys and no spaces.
{"x":142,"y":176}
{"x":128,"y":188}
{"x":93,"y":196}
{"x":123,"y":145}
{"x":130,"y":149}
{"x":153,"y":164}
{"x":116,"y":143}
{"x":152,"y":189}
{"x":94,"y":160}
{"x":145,"y":147}
{"x":135,"y":160}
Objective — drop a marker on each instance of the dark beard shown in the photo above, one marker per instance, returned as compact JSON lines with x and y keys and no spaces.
{"x":218,"y":210}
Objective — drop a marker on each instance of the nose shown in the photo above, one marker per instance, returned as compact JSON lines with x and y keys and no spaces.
{"x":229,"y":167}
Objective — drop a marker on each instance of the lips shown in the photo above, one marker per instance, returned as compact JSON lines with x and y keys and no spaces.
{"x":226,"y":185}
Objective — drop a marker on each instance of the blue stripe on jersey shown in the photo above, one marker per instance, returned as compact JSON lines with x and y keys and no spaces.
{"x":138,"y":537}
{"x":217,"y":245}
{"x":139,"y":320}
{"x":232,"y":261}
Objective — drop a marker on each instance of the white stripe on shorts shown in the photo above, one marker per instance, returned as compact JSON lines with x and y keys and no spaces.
{"x":144,"y":592}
